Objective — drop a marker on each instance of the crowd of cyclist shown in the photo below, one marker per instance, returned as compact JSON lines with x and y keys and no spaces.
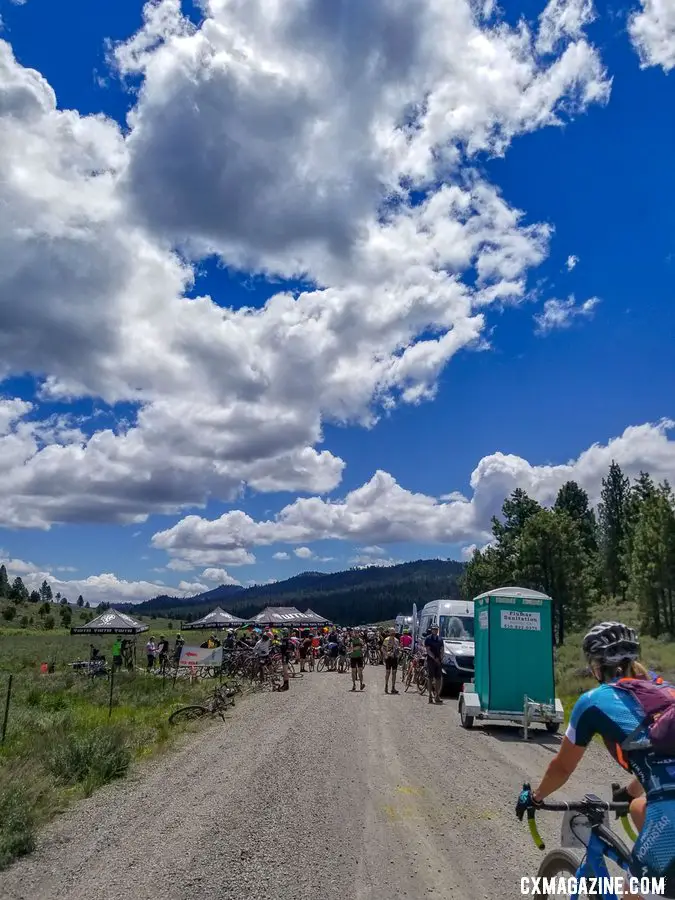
{"x":337,"y":649}
{"x":632,"y":710}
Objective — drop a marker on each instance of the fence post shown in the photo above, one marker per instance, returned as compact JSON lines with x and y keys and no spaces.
{"x":6,"y":716}
{"x":112,"y":683}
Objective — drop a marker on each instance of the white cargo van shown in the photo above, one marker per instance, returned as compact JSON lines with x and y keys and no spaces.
{"x":455,"y":625}
{"x":403,"y":622}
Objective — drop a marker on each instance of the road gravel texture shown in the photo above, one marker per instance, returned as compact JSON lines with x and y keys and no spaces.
{"x":313,"y":794}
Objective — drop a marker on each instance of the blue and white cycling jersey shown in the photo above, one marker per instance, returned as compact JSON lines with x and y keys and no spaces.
{"x":614,"y":715}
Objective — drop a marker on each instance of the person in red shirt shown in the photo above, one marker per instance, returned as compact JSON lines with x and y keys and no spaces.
{"x":405,"y":640}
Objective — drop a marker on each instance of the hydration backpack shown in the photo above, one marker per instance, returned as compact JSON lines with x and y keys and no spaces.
{"x":657,"y":700}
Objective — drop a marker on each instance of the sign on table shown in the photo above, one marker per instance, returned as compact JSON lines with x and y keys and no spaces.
{"x":201,"y":656}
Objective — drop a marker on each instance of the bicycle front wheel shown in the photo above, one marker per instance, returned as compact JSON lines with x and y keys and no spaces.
{"x":559,"y":863}
{"x":187,"y":714}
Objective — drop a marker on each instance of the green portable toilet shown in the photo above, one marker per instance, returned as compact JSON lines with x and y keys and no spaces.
{"x":513,"y":675}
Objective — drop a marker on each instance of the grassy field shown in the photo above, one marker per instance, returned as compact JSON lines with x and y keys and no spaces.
{"x":60,"y":743}
{"x":571,"y":672}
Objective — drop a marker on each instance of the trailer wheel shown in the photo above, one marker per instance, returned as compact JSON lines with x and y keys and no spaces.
{"x":553,"y":727}
{"x":466,"y":720}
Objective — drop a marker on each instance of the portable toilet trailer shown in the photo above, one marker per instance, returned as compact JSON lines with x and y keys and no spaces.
{"x":514,"y":673}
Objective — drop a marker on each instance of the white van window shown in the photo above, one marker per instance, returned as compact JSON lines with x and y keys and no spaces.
{"x":456,"y":628}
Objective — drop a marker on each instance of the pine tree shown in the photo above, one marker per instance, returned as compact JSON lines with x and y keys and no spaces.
{"x":574,"y":501}
{"x":612,"y":513}
{"x":80,"y":601}
{"x":18,"y":591}
{"x":46,"y":592}
{"x":552,"y":559}
{"x":4,"y":583}
{"x":652,"y":571}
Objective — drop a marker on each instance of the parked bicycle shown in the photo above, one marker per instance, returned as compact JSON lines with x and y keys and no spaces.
{"x":416,"y":674}
{"x":218,"y":704}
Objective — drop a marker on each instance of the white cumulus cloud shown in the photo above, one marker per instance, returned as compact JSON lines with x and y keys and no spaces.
{"x":218,"y":575}
{"x":282,"y":138}
{"x":385,"y":512}
{"x":303,"y":553}
{"x":95,"y":589}
{"x":652,"y":31}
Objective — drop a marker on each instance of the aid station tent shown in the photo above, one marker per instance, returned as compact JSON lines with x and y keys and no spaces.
{"x":111,"y":622}
{"x":285,"y":616}
{"x":218,"y":618}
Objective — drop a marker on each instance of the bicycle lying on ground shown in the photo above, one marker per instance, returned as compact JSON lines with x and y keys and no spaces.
{"x":217,"y":704}
{"x":586,"y":826}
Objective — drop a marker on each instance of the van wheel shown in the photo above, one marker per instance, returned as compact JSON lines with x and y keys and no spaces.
{"x":466,"y":720}
{"x":553,"y":727}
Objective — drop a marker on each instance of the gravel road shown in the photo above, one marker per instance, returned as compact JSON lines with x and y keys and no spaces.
{"x":314,"y":794}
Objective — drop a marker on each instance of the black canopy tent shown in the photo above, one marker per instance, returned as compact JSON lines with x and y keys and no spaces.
{"x":315,"y":619}
{"x":218,"y":618}
{"x":281,"y":616}
{"x":111,"y":622}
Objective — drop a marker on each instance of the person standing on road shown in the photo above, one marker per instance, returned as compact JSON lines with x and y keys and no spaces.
{"x":406,"y":639}
{"x":150,"y":650}
{"x":434,"y":648}
{"x":285,"y":648}
{"x":390,"y":651}
{"x":117,"y":654}
{"x":305,"y":650}
{"x":356,"y":659}
{"x":262,"y":651}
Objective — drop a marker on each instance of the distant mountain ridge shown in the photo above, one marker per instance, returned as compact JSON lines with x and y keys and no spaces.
{"x":354,"y":596}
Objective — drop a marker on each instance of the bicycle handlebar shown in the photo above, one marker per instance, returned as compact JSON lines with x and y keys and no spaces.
{"x":582,"y":806}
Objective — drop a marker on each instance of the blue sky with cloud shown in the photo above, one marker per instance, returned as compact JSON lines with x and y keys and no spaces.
{"x":304,"y":285}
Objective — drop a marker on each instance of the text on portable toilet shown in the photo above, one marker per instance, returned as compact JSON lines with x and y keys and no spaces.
{"x":520,"y":620}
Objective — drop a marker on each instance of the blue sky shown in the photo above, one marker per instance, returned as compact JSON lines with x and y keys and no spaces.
{"x":577,"y":356}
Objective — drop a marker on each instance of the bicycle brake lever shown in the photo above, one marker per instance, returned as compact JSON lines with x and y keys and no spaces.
{"x":532,"y":825}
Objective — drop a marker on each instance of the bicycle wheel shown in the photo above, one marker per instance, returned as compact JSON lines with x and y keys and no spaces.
{"x":558,"y":862}
{"x":321,"y":665}
{"x":187,"y":714}
{"x":422,"y":681}
{"x":409,"y":677}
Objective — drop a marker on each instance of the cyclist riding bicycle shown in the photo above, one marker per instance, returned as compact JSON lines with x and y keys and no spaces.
{"x":613,"y":711}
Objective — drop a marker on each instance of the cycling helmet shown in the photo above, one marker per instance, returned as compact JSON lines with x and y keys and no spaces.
{"x":611,"y":642}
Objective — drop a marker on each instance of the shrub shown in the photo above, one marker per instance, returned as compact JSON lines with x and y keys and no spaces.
{"x":8,"y":613}
{"x":92,"y":757}
{"x":49,"y":622}
{"x":17,"y":824}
